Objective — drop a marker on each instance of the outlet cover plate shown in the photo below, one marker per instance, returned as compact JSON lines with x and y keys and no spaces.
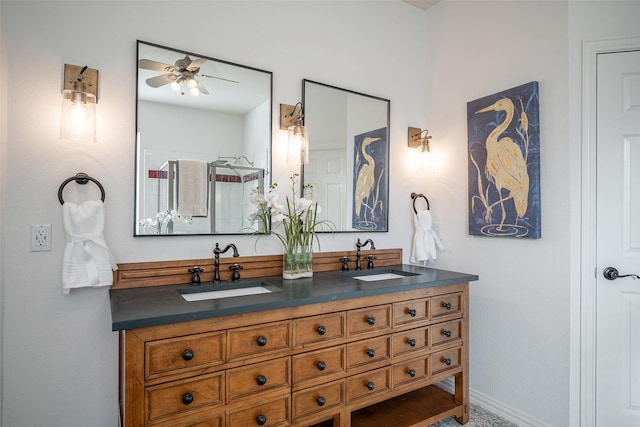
{"x":40,"y":237}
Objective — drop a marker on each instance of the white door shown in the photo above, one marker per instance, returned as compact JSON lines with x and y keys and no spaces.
{"x":326,"y":172}
{"x":618,"y":240}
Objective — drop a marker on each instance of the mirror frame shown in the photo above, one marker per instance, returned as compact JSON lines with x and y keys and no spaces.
{"x":387,"y":150}
{"x":137,"y":190}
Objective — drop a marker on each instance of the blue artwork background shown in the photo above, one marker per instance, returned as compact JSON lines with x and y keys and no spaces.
{"x":374,"y":215}
{"x":485,"y":213}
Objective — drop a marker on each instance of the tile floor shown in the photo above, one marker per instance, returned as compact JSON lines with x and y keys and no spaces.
{"x":478,"y":417}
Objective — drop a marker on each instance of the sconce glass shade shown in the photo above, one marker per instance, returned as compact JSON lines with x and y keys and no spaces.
{"x":298,"y":143}
{"x":78,"y":122}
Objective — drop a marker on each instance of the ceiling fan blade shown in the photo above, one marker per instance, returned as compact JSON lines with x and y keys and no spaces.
{"x":148,"y":64}
{"x":202,"y":89}
{"x":161,"y":80}
{"x":219,"y":78}
{"x":196,"y":64}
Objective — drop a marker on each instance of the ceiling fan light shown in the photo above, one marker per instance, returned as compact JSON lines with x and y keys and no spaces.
{"x":192,"y":83}
{"x":176,"y":86}
{"x":194,"y":91}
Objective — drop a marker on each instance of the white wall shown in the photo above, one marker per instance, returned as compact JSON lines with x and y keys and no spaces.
{"x":60,"y":356}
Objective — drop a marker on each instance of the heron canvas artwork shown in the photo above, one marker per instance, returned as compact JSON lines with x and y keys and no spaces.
{"x":504,"y":163}
{"x":370,"y":180}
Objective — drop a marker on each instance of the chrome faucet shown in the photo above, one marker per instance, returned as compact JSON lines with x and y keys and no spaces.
{"x":360,"y":245}
{"x":217,"y":251}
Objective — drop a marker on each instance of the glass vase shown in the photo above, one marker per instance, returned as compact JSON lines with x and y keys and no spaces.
{"x":297,"y":262}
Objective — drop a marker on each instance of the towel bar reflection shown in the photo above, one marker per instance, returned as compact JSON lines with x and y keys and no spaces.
{"x":80,"y":178}
{"x":415,"y":196}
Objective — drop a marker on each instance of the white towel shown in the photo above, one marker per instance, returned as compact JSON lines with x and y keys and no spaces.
{"x":87,"y":261}
{"x":192,"y":188}
{"x":425,"y":239}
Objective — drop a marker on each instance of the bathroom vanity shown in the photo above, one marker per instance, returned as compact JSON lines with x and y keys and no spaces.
{"x":338,"y":349}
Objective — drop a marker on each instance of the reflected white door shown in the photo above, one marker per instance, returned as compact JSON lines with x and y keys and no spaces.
{"x":618,"y":240}
{"x":326,"y":172}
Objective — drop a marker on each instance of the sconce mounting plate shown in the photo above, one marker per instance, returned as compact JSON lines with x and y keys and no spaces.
{"x":89,"y":78}
{"x":414,"y":137}
{"x":286,"y":117}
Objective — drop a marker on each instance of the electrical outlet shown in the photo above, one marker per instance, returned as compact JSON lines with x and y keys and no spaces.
{"x":40,"y":237}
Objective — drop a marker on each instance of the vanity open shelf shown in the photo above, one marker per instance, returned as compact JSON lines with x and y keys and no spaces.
{"x":370,"y":360}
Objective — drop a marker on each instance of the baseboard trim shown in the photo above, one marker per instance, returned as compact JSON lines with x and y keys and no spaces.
{"x":492,"y":405}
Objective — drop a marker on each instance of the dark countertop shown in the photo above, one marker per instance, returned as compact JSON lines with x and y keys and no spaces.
{"x":159,"y":305}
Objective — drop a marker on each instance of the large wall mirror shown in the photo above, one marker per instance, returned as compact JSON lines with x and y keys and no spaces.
{"x":203,"y":142}
{"x":348,"y":156}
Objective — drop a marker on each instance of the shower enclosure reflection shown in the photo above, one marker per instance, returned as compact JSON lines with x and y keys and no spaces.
{"x":229,"y":188}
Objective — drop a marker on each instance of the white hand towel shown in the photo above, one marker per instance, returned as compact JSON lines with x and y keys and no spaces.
{"x":192,"y":188}
{"x":425,"y":239}
{"x":87,"y":261}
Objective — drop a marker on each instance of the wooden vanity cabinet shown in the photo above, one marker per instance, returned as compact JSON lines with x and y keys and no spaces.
{"x":368,"y":361}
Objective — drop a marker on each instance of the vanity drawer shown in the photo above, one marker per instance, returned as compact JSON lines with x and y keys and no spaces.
{"x":215,"y":419}
{"x":310,"y":330}
{"x":254,"y":379}
{"x":446,"y":334}
{"x":410,"y":371}
{"x":446,"y":360}
{"x":273,"y":413}
{"x":318,"y":399}
{"x":370,"y":319}
{"x":411,"y":341}
{"x":193,"y":351}
{"x":446,"y":305}
{"x":259,"y":340}
{"x":369,"y":351}
{"x":368,"y":384}
{"x":319,"y":366}
{"x":186,"y":395}
{"x":408,"y":312}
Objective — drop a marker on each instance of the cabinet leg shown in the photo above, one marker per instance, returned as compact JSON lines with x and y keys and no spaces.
{"x":462,"y":396}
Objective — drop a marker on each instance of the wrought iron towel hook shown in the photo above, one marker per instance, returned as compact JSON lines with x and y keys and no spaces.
{"x":80,"y":178}
{"x":415,"y":196}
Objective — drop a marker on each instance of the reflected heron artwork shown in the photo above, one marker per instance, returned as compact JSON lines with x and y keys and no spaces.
{"x":369,"y":187}
{"x":504,"y":163}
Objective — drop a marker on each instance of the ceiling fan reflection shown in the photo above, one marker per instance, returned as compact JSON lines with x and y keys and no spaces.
{"x":182,"y":73}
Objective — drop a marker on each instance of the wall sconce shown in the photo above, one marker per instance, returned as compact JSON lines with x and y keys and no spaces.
{"x":79,"y":98}
{"x":298,"y":136}
{"x":416,"y":140}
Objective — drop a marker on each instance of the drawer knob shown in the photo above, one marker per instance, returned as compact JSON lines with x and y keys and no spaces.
{"x":411,"y":342}
{"x":261,"y":380}
{"x":371,"y":320}
{"x":446,"y":333}
{"x":321,"y":401}
{"x":412,"y":312}
{"x":321,"y":330}
{"x":446,"y":305}
{"x":261,"y":341}
{"x":371,"y":352}
{"x":321,"y":365}
{"x":261,"y":420}
{"x":446,"y":361}
{"x":187,"y":398}
{"x":371,"y":385}
{"x":188,"y":354}
{"x":411,"y":372}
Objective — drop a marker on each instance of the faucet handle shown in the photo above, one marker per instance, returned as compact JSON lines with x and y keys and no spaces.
{"x":236,"y":273}
{"x":345,"y":263}
{"x":195,"y":279}
{"x":370,"y":263}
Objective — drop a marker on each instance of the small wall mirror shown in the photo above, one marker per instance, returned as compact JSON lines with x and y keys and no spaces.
{"x":348,"y":156}
{"x":203,"y":142}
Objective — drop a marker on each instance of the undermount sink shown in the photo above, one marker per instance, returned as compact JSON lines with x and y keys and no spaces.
{"x":374,"y":275}
{"x":208,"y":292}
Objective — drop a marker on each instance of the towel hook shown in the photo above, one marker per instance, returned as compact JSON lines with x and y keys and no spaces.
{"x":80,"y":178}
{"x":414,"y":196}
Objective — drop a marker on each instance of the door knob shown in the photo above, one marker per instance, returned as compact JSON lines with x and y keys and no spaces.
{"x":611,"y":273}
